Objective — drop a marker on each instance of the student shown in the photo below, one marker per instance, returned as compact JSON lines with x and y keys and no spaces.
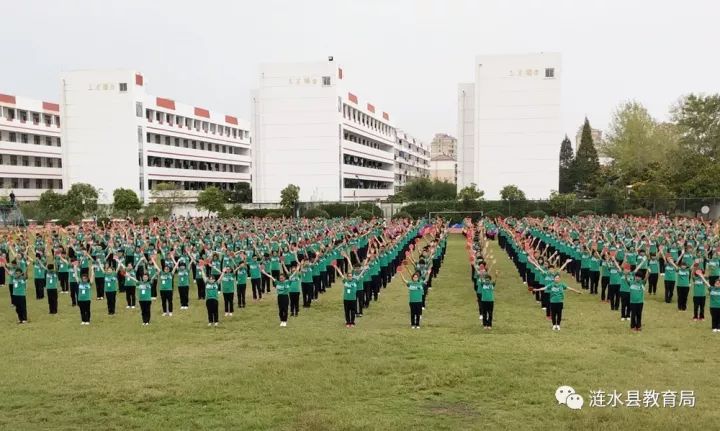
{"x":255,"y":278}
{"x":349,"y":296}
{"x":637,"y":298}
{"x":614,"y":281}
{"x":211,"y":297}
{"x":669,"y":277}
{"x":306,"y":282}
{"x":698,"y":283}
{"x":110,"y":283}
{"x":39,"y":276}
{"x":130,"y":283}
{"x":282,"y":288}
{"x":63,"y":270}
{"x":99,"y":272}
{"x":19,"y":290}
{"x":241,"y":279}
{"x":144,"y":296}
{"x":416,"y":288}
{"x":51,"y":285}
{"x":486,"y":297}
{"x":594,"y":268}
{"x":714,"y":302}
{"x":654,"y":273}
{"x":294,"y":291}
{"x":167,"y":278}
{"x":74,"y":280}
{"x":84,"y":296}
{"x":682,"y":284}
{"x":183,"y":280}
{"x":227,"y":285}
{"x":557,"y":296}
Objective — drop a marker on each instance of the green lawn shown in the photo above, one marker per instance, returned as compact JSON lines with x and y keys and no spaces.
{"x":317,"y":375}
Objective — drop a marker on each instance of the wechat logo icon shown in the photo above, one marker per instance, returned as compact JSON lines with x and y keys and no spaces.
{"x":566,"y":395}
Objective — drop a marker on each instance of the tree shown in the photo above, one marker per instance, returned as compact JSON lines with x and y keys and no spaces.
{"x":240,"y":194}
{"x":562,"y":203}
{"x":81,"y":199}
{"x":470,"y":194}
{"x":211,"y":199}
{"x":512,"y":193}
{"x":586,"y":163}
{"x":165,"y":197}
{"x":51,"y":205}
{"x":126,"y":200}
{"x":424,"y":189}
{"x":289,"y":196}
{"x":567,"y":160}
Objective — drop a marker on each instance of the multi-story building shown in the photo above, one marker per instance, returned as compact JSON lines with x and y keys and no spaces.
{"x":30,"y":147}
{"x":443,"y":168}
{"x":412,"y":160}
{"x":509,"y":124}
{"x":596,"y":134}
{"x":116,"y":135}
{"x":443,"y":144}
{"x":309,"y":130}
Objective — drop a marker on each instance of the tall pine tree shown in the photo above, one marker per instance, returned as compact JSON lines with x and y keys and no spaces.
{"x":587,"y":164}
{"x":567,"y":159}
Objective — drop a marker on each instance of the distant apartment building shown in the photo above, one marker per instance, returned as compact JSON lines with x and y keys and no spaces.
{"x":597,"y":137}
{"x":443,"y":168}
{"x":412,"y":160}
{"x":30,"y":147}
{"x":443,"y":144}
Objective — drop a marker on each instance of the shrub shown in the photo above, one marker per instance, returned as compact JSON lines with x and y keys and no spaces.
{"x":361,"y":213}
{"x":315,"y":213}
{"x":402,"y":214}
{"x":586,"y":213}
{"x":537,"y":214}
{"x":493,"y":214}
{"x":639,"y":212}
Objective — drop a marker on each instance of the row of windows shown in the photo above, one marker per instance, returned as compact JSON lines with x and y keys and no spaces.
{"x":27,"y":138}
{"x":195,"y":145}
{"x":192,"y":185}
{"x":24,"y":116}
{"x":355,"y":115}
{"x":352,"y":137}
{"x":363,"y":162}
{"x":30,"y":183}
{"x":170,"y":163}
{"x":404,"y":158}
{"x":192,"y":123}
{"x":413,"y":147}
{"x":38,"y":162}
{"x":353,"y":183}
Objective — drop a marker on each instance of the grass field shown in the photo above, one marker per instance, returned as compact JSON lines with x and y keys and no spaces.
{"x":317,"y":375}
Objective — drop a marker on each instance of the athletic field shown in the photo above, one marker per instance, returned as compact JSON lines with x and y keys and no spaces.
{"x":316,"y":374}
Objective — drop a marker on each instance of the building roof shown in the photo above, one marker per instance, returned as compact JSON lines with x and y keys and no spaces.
{"x":442,"y":158}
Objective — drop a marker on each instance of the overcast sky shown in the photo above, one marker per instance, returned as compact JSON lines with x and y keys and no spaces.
{"x":405,"y":56}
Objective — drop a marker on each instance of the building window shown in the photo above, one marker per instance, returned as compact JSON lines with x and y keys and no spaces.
{"x":13,"y":137}
{"x":23,"y":138}
{"x":26,"y":183}
{"x":549,"y":72}
{"x":140,"y":135}
{"x":326,"y":81}
{"x":13,"y":160}
{"x":35,"y":118}
{"x":59,"y":163}
{"x":38,"y":183}
{"x":38,"y":162}
{"x":138,"y":109}
{"x":25,"y":161}
{"x":123,"y":87}
{"x":14,"y":183}
{"x":36,"y":140}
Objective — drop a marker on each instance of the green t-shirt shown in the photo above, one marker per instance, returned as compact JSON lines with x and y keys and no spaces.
{"x":488,"y":291}
{"x":227,"y":283}
{"x":51,"y":281}
{"x":416,"y":291}
{"x":282,"y":287}
{"x":715,"y":297}
{"x":183,"y":278}
{"x":166,"y":280}
{"x":698,"y":287}
{"x":144,"y":292}
{"x":713,"y":266}
{"x":556,"y":292}
{"x":111,"y":282}
{"x":637,"y":292}
{"x":19,"y":287}
{"x":84,"y":291}
{"x":670,"y":273}
{"x":254,"y":269}
{"x":211,"y":291}
{"x":683,"y":277}
{"x":349,"y":290}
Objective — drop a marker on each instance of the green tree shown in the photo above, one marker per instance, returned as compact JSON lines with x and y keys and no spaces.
{"x":126,"y":200}
{"x":567,"y":160}
{"x":81,"y":200}
{"x":240,"y":194}
{"x":470,"y":193}
{"x":165,"y":197}
{"x":211,"y":199}
{"x":562,"y":203}
{"x":512,"y":193}
{"x":51,"y":205}
{"x":586,"y":164}
{"x":289,"y":196}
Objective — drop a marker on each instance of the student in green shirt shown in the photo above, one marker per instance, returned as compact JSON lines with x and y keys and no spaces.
{"x":241,"y":278}
{"x":39,"y":276}
{"x":294,"y":292}
{"x":166,"y":277}
{"x":144,"y":295}
{"x":637,"y":298}
{"x":714,"y":290}
{"x":654,"y":273}
{"x":698,"y":283}
{"x":18,"y":288}
{"x":51,"y":284}
{"x":594,"y":267}
{"x":682,"y":283}
{"x":556,"y":291}
{"x":211,"y":296}
{"x":416,"y":289}
{"x":84,"y":296}
{"x":669,"y":276}
{"x":110,"y":283}
{"x":282,"y":288}
{"x":183,"y":280}
{"x":349,"y":296}
{"x":227,"y":285}
{"x":485,"y":290}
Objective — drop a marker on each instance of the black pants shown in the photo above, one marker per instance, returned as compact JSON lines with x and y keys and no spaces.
{"x":229,"y":301}
{"x":360,"y":298}
{"x":415,"y":312}
{"x":52,"y":295}
{"x":73,"y":292}
{"x":283,"y":301}
{"x":241,"y":288}
{"x":625,"y":304}
{"x":64,"y":279}
{"x":349,"y":305}
{"x":256,"y":288}
{"x":20,"y":307}
{"x":166,"y":297}
{"x":715,"y":315}
{"x":212,"y":310}
{"x":265,"y":283}
{"x":39,"y":288}
{"x":184,"y":292}
{"x":652,"y":283}
{"x":110,"y":297}
{"x":486,"y":308}
{"x":316,"y":286}
{"x":669,"y":289}
{"x":153,"y":288}
{"x":594,"y":279}
{"x":130,"y":296}
{"x":682,"y":292}
{"x":698,"y":307}
{"x":145,"y":311}
{"x":200,"y":288}
{"x":100,"y":286}
{"x":636,"y":315}
{"x":480,"y":304}
{"x":556,"y":309}
{"x":294,"y":303}
{"x":84,"y":310}
{"x":585,"y":278}
{"x":614,"y":296}
{"x":604,"y":283}
{"x":307,"y":293}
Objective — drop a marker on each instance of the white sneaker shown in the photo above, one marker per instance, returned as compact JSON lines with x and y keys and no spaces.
{"x":133,"y":307}
{"x":217,"y":323}
{"x":558,"y":327}
{"x":164,"y":314}
{"x":169,"y":314}
{"x":230,"y":314}
{"x":209,"y":324}
{"x":544,"y":309}
{"x":281,"y":324}
{"x":127,"y":306}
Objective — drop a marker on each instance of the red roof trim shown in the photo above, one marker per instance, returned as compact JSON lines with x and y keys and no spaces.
{"x":165,"y":103}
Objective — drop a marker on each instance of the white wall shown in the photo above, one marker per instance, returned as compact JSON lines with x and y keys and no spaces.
{"x":296,"y":132}
{"x":517,"y":123}
{"x":99,"y":130}
{"x":466,"y":135}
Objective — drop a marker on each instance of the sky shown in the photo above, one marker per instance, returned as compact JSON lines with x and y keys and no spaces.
{"x":407,"y":57}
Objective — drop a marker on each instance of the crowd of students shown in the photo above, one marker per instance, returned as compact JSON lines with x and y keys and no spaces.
{"x":620,"y":260}
{"x":298,"y":258}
